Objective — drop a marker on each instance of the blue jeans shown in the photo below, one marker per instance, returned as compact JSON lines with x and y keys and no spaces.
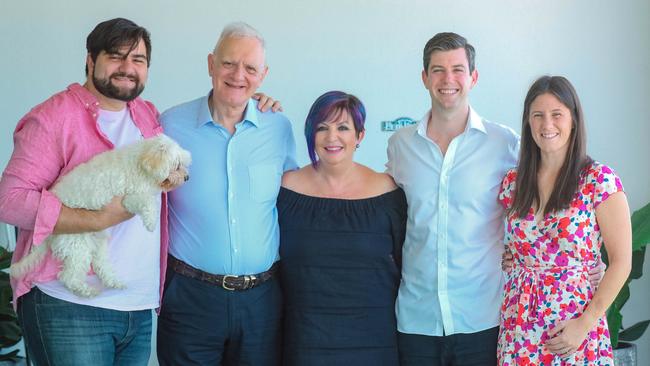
{"x":58,"y":332}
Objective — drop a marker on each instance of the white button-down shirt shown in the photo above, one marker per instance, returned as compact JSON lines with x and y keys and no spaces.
{"x":451,"y":275}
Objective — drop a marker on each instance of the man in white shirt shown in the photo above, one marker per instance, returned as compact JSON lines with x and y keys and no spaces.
{"x":450,"y":165}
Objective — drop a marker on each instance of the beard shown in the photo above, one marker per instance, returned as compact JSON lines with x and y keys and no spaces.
{"x":106,"y":87}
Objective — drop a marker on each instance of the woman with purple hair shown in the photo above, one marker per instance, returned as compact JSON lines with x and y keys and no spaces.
{"x":341,"y":232}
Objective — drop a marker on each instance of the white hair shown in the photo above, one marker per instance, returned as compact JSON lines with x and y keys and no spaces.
{"x":239,"y":30}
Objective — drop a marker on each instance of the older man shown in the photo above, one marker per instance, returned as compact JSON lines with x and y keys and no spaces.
{"x":222,"y":303}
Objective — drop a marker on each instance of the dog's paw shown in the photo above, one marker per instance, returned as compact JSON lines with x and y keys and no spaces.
{"x":113,"y":283}
{"x":149,"y":224}
{"x":84,"y":291}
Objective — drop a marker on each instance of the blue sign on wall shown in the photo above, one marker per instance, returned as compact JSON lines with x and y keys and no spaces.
{"x":396,"y":124}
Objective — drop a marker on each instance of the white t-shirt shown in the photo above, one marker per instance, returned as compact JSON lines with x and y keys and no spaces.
{"x":134,"y":252}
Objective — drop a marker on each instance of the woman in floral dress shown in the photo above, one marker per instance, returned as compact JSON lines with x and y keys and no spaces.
{"x":562,"y":206}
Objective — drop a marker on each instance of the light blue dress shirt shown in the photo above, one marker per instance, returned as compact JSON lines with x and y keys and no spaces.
{"x":451,"y":274}
{"x":224,"y":220}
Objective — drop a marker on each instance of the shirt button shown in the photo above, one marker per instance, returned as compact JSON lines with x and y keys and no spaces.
{"x":233,"y":221}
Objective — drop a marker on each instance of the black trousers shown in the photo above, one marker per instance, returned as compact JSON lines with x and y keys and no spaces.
{"x":471,"y":349}
{"x":204,"y":324}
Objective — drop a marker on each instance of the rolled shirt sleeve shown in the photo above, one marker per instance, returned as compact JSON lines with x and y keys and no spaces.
{"x":33,"y":168}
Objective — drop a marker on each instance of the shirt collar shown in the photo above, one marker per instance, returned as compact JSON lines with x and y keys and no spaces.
{"x":474,"y":122}
{"x":250,"y":114}
{"x":90,"y":100}
{"x":86,"y":97}
{"x":204,"y":116}
{"x":423,"y":123}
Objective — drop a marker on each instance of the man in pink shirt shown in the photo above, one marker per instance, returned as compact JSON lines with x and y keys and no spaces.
{"x":66,"y":130}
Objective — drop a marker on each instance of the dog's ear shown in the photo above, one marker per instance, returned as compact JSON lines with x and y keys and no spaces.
{"x":154,"y":159}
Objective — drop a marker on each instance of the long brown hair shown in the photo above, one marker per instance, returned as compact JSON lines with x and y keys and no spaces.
{"x":527,"y":190}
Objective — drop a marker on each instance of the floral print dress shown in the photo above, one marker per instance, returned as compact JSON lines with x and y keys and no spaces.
{"x":549,"y":280}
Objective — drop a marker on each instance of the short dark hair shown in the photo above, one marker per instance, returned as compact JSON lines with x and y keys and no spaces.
{"x":566,"y":185}
{"x":448,"y":41}
{"x":111,"y":35}
{"x":328,"y":106}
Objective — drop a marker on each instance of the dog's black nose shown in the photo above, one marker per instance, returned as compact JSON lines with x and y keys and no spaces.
{"x":187,"y":177}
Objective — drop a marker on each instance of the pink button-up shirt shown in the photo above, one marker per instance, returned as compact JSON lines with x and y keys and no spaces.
{"x":49,"y":141}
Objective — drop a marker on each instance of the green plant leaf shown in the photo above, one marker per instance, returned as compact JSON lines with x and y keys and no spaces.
{"x":603,"y":255}
{"x":640,"y":239}
{"x":622,"y":297}
{"x":641,"y":227}
{"x":614,"y":316}
{"x":8,"y":318}
{"x":7,"y":312}
{"x":11,"y":356}
{"x":5,"y":258}
{"x":614,"y":322}
{"x":10,"y":330}
{"x":634,"y":332}
{"x":638,"y":257}
{"x":10,"y":334}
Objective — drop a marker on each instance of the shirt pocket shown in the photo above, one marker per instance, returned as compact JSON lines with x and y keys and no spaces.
{"x":264,"y":181}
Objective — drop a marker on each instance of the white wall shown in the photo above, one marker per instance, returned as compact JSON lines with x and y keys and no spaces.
{"x":373,"y":49}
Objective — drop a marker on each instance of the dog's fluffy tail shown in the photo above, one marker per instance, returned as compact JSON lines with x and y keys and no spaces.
{"x":29,"y":262}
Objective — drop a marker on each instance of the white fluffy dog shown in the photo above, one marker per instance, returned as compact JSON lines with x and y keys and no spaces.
{"x":135,"y":172}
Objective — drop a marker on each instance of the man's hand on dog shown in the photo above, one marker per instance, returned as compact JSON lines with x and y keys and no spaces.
{"x":113,"y":213}
{"x":81,"y":220}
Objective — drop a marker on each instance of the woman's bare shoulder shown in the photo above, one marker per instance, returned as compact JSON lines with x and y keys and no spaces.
{"x":294,"y":179}
{"x":378,"y":183}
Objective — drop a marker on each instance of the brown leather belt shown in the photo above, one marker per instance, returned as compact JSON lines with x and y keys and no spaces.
{"x":228,"y":282}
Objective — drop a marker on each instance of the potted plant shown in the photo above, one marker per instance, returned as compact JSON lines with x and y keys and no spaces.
{"x":625,"y":353}
{"x":10,"y":333}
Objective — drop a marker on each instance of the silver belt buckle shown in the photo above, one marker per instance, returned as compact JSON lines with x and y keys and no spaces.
{"x":224,"y":285}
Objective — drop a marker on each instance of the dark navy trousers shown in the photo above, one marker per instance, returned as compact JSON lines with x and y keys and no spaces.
{"x":471,"y":349}
{"x":204,"y":324}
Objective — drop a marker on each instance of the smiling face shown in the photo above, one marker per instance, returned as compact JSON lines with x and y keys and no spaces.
{"x":551,"y":124}
{"x":449,"y":80}
{"x":237,"y":69}
{"x":336,"y":139}
{"x":119,"y":75}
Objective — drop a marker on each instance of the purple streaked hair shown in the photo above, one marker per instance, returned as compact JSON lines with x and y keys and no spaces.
{"x":328,"y":107}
